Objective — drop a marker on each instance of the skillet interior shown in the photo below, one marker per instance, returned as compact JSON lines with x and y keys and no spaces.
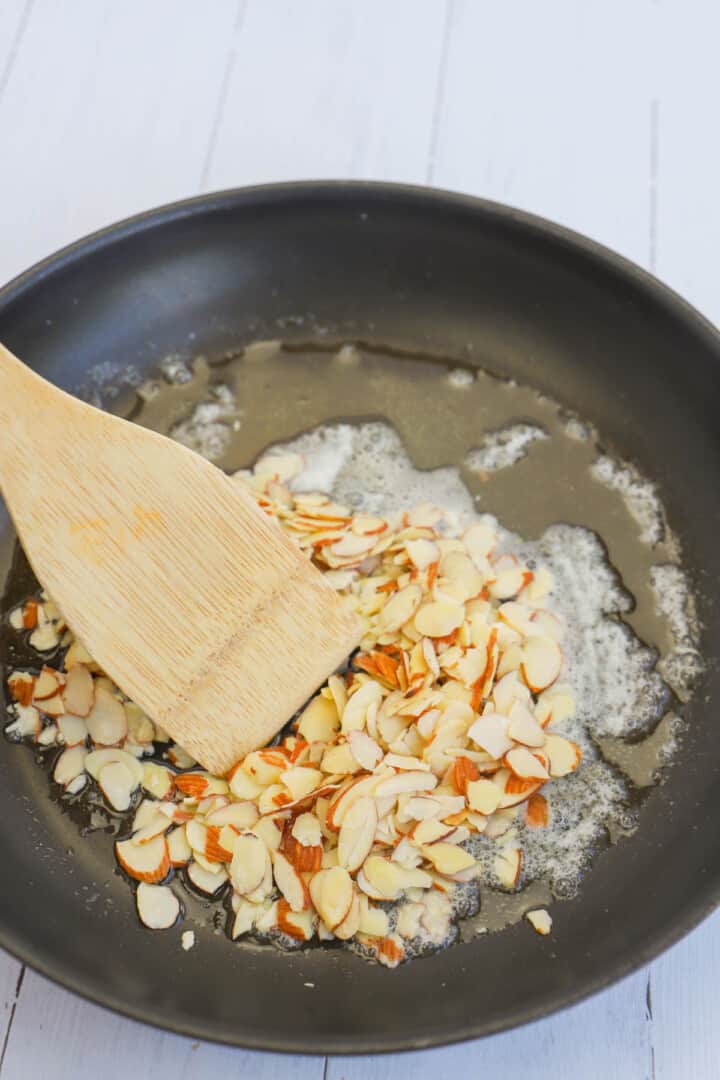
{"x":436,"y":273}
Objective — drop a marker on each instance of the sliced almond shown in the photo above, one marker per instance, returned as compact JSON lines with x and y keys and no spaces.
{"x":205,"y":880}
{"x":357,"y":833}
{"x":79,"y":691}
{"x":438,"y":619}
{"x":243,"y":815}
{"x":541,"y":663}
{"x":523,"y":727}
{"x":301,"y":780}
{"x":540,"y":920}
{"x":507,"y":865}
{"x":405,"y":783}
{"x":483,"y":796}
{"x":422,"y":553}
{"x":319,"y":721}
{"x":355,"y":711}
{"x":95,"y":761}
{"x":106,"y":722}
{"x":48,"y":683}
{"x":510,"y":582}
{"x":400,"y":608}
{"x":157,"y":780}
{"x":388,"y":880}
{"x":289,"y":882}
{"x":447,"y":858}
{"x":564,"y":755}
{"x":525,"y":765}
{"x":53,"y":706}
{"x":73,"y":729}
{"x":480,"y":541}
{"x":350,"y":925}
{"x":490,"y":733}
{"x":373,"y":920}
{"x":77,"y":654}
{"x":71,"y":763}
{"x":250,"y":863}
{"x":459,"y":577}
{"x":332,"y":894}
{"x":158,"y":906}
{"x":117,"y":783}
{"x":365,"y":750}
{"x":246,"y":916}
{"x":45,"y":638}
{"x":343,"y":800}
{"x":299,"y":925}
{"x":145,"y":862}
{"x":21,"y":685}
{"x":179,"y":850}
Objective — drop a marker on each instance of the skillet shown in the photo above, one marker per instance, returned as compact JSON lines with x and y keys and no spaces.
{"x":421,"y":270}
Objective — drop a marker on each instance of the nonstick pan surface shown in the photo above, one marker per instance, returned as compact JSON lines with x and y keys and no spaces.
{"x":436,"y":273}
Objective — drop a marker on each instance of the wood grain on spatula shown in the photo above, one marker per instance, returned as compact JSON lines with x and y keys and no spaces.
{"x":189,"y":597}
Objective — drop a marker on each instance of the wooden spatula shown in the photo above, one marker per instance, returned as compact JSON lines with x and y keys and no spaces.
{"x":188,"y":596}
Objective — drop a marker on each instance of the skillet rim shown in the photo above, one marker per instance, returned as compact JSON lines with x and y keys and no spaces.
{"x":698,"y":906}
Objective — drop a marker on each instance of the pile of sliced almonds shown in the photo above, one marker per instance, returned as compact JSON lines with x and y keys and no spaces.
{"x":362,"y":821}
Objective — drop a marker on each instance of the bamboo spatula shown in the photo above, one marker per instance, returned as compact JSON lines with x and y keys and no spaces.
{"x":187,"y":595}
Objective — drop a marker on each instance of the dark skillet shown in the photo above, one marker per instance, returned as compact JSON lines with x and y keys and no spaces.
{"x":435,"y":272}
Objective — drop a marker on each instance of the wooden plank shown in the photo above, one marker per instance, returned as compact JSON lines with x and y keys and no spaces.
{"x":107,"y":110}
{"x":685,"y":1033}
{"x":11,"y":980}
{"x":604,"y":1037}
{"x":63,"y":1037}
{"x":330,"y":89}
{"x":688,"y":157}
{"x":548,"y":107}
{"x":14,"y":15}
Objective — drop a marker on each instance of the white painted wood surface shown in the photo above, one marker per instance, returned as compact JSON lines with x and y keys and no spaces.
{"x":600,"y":115}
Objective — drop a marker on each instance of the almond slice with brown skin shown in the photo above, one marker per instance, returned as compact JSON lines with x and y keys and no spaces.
{"x":525,"y":765}
{"x":332,"y":894}
{"x":53,"y":706}
{"x":343,"y":800}
{"x":106,"y":722}
{"x":79,"y":691}
{"x":563,"y":754}
{"x":117,"y":784}
{"x":357,"y":833}
{"x":299,"y":925}
{"x":405,"y":783}
{"x":507,"y":864}
{"x":48,"y":683}
{"x":289,"y":882}
{"x":21,"y":685}
{"x":157,"y":905}
{"x":540,"y":920}
{"x":541,"y":663}
{"x":145,"y":862}
{"x":422,"y":553}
